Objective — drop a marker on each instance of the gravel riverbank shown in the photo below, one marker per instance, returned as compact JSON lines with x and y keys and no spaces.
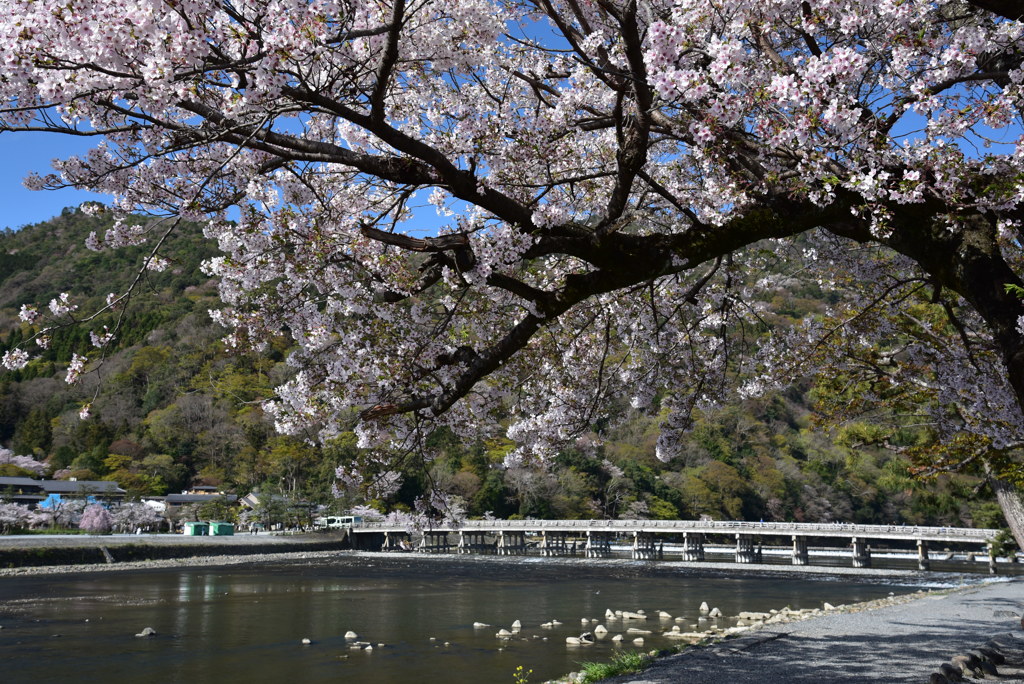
{"x":897,"y":640}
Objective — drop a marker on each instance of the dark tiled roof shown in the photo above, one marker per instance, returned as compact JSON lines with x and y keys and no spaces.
{"x":80,"y":487}
{"x":198,"y":498}
{"x":19,"y":482}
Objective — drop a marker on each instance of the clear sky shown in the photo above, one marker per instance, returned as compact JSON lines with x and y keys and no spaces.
{"x":25,"y":152}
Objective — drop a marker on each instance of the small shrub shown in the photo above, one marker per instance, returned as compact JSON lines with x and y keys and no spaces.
{"x":626,"y":662}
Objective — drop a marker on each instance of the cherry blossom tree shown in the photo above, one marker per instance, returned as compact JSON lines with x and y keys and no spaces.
{"x":96,"y":519}
{"x":615,"y":181}
{"x":13,"y":517}
{"x":8,"y":457}
{"x":132,"y":516}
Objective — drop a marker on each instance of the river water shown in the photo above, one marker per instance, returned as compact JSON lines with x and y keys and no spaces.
{"x":247,"y":623}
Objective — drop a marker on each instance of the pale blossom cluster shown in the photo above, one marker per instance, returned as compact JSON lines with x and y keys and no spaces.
{"x":75,"y":368}
{"x":101,"y":340}
{"x":28,"y":313}
{"x":14,"y":516}
{"x":133,"y":516}
{"x":15,"y":359}
{"x":25,"y":462}
{"x":61,"y":305}
{"x":96,"y":519}
{"x":682,"y":123}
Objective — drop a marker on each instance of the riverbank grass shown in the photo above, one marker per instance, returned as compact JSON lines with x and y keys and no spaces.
{"x":627,"y":662}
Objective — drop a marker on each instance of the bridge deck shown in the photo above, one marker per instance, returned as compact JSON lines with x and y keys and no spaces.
{"x":713,"y":527}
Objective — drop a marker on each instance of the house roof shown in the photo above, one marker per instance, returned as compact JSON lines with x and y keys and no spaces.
{"x":80,"y":487}
{"x":198,"y":498}
{"x":19,"y":482}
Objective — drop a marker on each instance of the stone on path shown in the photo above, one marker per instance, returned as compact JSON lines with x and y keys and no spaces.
{"x":993,"y":656}
{"x":967,"y":663}
{"x":951,"y":673}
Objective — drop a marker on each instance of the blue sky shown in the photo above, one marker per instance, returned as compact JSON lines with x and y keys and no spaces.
{"x":25,"y":152}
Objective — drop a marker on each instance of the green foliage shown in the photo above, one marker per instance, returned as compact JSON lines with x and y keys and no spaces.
{"x":217,"y":510}
{"x":193,"y":412}
{"x":1004,"y":545}
{"x":626,"y":662}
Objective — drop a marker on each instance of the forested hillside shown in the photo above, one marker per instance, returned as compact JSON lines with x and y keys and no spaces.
{"x":170,"y":407}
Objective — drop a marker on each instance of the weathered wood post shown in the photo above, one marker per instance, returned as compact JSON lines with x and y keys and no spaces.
{"x":693,"y":546}
{"x":744,"y":548}
{"x":511,"y":543}
{"x":861,"y":553}
{"x":800,"y":555}
{"x":923,"y":561}
{"x":599,"y":544}
{"x":643,"y":546}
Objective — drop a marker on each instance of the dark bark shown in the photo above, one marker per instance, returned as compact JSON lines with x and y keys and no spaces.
{"x":1008,"y":9}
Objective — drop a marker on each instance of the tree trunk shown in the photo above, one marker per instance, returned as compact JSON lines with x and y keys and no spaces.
{"x":1012,"y":504}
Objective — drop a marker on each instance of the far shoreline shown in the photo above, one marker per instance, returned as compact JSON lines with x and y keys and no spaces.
{"x":276,"y":553}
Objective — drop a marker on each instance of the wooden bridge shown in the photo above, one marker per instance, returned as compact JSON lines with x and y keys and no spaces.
{"x":646,"y":538}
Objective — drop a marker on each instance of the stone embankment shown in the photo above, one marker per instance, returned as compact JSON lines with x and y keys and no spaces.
{"x":74,"y":554}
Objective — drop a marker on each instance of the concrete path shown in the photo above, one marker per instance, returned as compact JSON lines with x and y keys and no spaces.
{"x":895,"y":643}
{"x":38,"y":541}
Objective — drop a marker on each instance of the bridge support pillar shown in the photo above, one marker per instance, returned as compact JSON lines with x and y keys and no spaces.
{"x":923,"y":561}
{"x":511,"y":543}
{"x":599,"y":544}
{"x":861,"y":553}
{"x":474,"y":542}
{"x":992,"y":570}
{"x":800,"y":555}
{"x":555,"y":544}
{"x":397,"y":541}
{"x":644,"y":547}
{"x":434,"y":542}
{"x":693,"y":546}
{"x":745,"y":548}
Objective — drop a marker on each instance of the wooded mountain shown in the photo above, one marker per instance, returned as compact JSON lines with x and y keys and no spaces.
{"x":171,"y":407}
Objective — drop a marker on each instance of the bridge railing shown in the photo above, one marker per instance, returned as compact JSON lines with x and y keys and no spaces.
{"x":712,"y":527}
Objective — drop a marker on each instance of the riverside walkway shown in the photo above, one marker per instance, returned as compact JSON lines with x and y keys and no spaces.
{"x":646,"y":538}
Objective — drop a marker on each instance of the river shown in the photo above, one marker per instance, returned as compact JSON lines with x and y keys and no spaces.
{"x":247,"y":623}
